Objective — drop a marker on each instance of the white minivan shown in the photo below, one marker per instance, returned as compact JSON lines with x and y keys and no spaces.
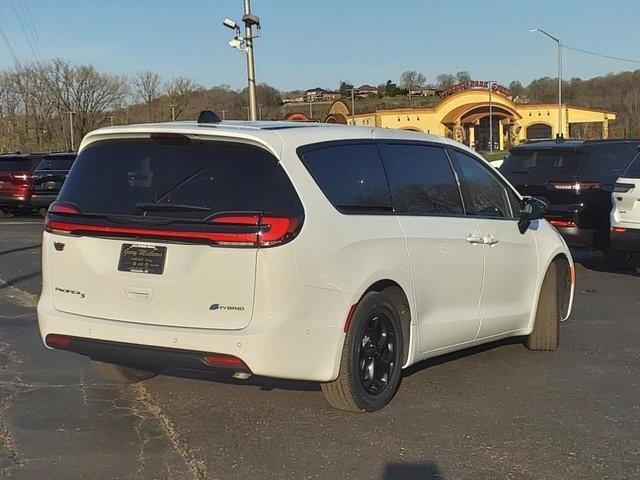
{"x":318,"y":252}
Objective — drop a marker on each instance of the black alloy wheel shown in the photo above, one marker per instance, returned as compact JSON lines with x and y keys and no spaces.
{"x":377,"y":354}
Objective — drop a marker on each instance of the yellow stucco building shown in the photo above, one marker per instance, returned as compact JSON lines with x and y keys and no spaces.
{"x":464,"y":116}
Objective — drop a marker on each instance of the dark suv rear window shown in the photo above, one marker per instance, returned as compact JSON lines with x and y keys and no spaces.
{"x":114,"y":177}
{"x":14,"y":164}
{"x":633,"y":171}
{"x":541,"y":162}
{"x":350,"y":175}
{"x":56,"y":163}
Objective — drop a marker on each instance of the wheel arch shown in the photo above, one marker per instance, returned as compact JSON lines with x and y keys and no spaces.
{"x":397,"y":294}
{"x":566,"y":284}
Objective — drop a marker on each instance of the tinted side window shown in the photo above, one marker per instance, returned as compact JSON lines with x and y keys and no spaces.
{"x":421,"y":180}
{"x":607,"y":161}
{"x":351,"y":176}
{"x":634,"y":169}
{"x":484,"y":194}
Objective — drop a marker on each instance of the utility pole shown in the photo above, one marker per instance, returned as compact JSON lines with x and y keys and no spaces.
{"x":560,"y":132}
{"x":71,"y":129}
{"x":173,"y":112}
{"x":310,"y":107}
{"x":353,"y":106}
{"x":250,"y":20}
{"x":223,"y":112}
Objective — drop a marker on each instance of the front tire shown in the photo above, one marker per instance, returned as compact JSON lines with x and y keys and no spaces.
{"x":546,"y":329}
{"x":371,"y":363}
{"x":120,"y":373}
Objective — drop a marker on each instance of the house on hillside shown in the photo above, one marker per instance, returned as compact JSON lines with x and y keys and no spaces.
{"x":365,"y":91}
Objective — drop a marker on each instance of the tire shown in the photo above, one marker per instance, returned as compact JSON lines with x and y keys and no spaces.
{"x":618,"y":259}
{"x":545,"y":334}
{"x":120,"y":373}
{"x":369,"y":372}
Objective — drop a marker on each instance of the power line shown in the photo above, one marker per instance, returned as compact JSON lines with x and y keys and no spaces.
{"x":595,"y":54}
{"x":24,"y":31}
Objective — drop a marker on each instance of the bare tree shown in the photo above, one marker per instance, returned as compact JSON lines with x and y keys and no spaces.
{"x":411,"y":80}
{"x":147,"y":87}
{"x":179,"y":92}
{"x":445,"y":80}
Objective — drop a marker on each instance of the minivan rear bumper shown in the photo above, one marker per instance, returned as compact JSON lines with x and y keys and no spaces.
{"x":299,"y":348}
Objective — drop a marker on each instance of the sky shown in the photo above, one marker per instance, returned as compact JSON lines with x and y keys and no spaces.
{"x":309,"y":43}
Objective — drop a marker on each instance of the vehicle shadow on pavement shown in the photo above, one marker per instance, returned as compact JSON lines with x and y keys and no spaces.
{"x":412,"y":471}
{"x":264,"y":383}
{"x":448,"y":357}
{"x":595,"y":261}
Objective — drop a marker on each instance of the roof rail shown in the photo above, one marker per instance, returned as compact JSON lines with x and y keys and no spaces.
{"x":208,"y":116}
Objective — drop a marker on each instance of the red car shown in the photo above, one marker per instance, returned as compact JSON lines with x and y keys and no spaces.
{"x":16,"y":180}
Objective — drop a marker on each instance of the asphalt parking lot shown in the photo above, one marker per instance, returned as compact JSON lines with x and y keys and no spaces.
{"x":496,"y":412}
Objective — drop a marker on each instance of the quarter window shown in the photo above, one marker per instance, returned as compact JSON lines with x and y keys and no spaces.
{"x":421,"y":180}
{"x":485,"y":195}
{"x":351,"y":176}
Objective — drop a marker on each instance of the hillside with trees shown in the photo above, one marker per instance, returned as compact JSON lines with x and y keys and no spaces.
{"x":38,"y":102}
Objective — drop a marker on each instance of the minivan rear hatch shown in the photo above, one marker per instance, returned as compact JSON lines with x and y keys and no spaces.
{"x":165,"y":230}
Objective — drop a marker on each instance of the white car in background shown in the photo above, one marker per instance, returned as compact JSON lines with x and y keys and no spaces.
{"x":625,"y":214}
{"x":329,"y":253}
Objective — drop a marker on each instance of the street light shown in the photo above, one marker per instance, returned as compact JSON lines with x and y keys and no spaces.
{"x":245,"y":44}
{"x":560,"y":131}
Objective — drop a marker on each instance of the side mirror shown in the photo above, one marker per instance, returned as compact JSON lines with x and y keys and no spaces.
{"x":531,"y":208}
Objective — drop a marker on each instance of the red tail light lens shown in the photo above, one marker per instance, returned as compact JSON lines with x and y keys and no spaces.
{"x":222,"y":360}
{"x":57,"y":341}
{"x":263,"y":231}
{"x":562,"y":223}
{"x":618,"y":229}
{"x":574,"y":186}
{"x":64,"y":208}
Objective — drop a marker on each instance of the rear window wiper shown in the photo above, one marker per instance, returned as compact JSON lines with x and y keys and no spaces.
{"x":169,"y":207}
{"x":520,"y":172}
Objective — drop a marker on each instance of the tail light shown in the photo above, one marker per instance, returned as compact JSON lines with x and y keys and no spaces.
{"x":222,"y":360}
{"x":623,"y":187}
{"x":574,"y":186}
{"x":252,"y":230}
{"x":562,"y":223}
{"x":618,"y":229}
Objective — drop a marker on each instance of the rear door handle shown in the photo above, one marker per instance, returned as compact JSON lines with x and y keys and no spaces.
{"x":474,"y":239}
{"x":490,"y":240}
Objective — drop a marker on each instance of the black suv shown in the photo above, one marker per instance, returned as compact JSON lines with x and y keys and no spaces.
{"x":575,"y":178}
{"x":48,"y":178}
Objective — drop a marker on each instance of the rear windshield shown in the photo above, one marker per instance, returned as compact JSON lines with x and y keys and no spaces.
{"x":122,"y":177}
{"x":56,"y":163}
{"x":14,"y":164}
{"x":607,"y":161}
{"x":633,"y":171}
{"x":541,"y":162}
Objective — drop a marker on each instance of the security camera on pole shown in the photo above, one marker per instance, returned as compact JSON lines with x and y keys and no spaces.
{"x":245,"y":44}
